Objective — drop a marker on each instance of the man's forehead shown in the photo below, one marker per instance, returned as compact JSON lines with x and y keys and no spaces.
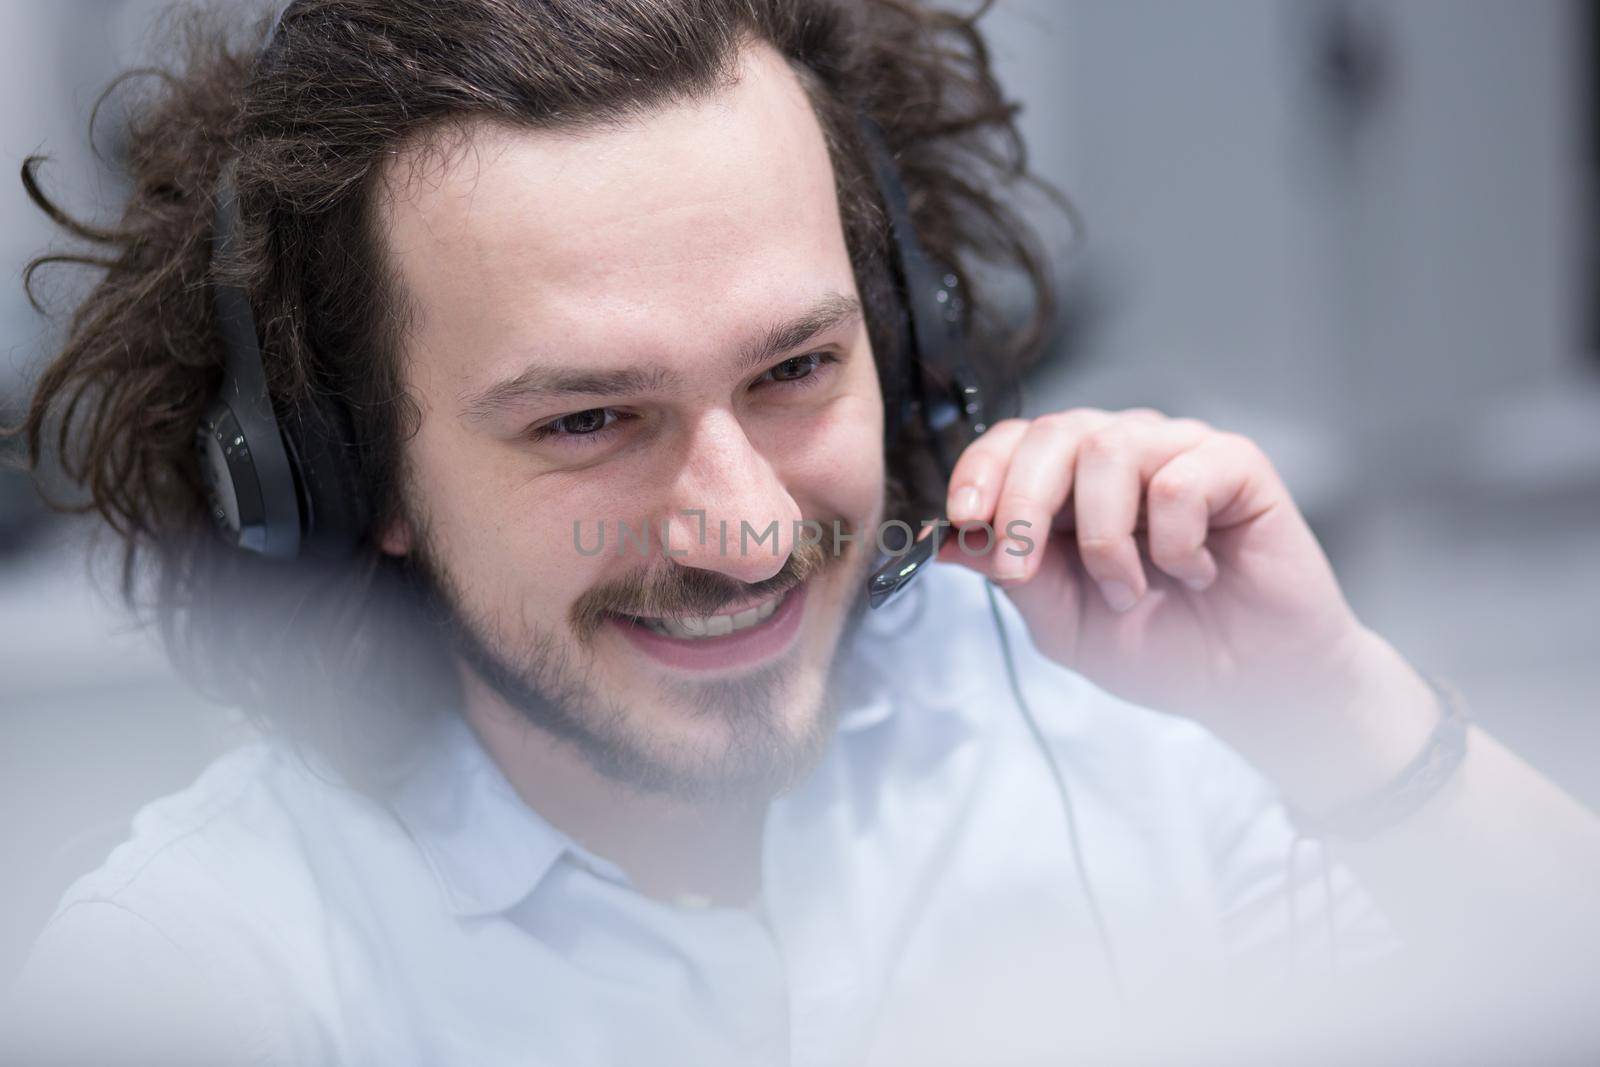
{"x":506,"y":237}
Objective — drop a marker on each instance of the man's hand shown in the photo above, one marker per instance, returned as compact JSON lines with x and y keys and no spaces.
{"x":1169,"y":565}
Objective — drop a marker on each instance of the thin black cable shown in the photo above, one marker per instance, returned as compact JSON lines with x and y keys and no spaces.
{"x":1062,"y":791}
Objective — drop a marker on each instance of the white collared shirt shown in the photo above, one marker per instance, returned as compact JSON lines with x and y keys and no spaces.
{"x":921,"y":904}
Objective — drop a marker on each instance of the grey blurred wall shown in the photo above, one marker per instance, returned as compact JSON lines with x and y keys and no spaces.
{"x":1354,"y":231}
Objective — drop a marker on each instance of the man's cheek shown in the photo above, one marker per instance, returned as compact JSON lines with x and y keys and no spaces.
{"x":515,"y":558}
{"x":844,"y":458}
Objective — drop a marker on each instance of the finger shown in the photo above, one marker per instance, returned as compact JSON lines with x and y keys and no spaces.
{"x":1177,"y":515}
{"x":969,"y":545}
{"x":1235,"y":478}
{"x":1114,"y":464}
{"x":1037,"y":484}
{"x":976,"y":478}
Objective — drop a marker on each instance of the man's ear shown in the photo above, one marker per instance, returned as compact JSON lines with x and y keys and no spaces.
{"x":395,"y":539}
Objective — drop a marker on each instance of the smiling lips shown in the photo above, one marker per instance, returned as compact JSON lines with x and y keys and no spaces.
{"x":739,"y":639}
{"x":713,"y":625}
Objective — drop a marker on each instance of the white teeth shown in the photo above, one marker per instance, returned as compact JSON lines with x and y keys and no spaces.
{"x":715,"y":625}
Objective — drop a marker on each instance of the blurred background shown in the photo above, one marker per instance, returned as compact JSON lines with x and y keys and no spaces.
{"x":1361,"y":233}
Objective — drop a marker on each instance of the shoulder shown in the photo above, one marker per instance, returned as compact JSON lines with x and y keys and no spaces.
{"x":201,"y":927}
{"x":238,"y":838}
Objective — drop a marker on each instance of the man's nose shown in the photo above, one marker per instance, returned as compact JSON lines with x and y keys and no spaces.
{"x":727,"y":510}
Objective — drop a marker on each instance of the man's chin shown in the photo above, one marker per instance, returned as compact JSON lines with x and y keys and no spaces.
{"x":758,"y":733}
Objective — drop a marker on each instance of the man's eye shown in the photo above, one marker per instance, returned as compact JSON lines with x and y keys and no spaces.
{"x":591,"y":422}
{"x":798,"y":368}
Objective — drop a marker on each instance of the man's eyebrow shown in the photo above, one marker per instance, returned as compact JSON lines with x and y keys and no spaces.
{"x":830,"y":312}
{"x":537,"y":382}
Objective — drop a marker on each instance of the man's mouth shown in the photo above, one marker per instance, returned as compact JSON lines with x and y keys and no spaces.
{"x":739,"y":637}
{"x":693,"y":628}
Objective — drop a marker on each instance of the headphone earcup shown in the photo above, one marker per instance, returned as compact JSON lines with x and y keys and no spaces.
{"x":249,"y":478}
{"x":891,"y":343}
{"x":334,"y":509}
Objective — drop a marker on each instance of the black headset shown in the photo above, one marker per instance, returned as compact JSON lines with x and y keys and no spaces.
{"x":933,"y":384}
{"x":279,"y":486}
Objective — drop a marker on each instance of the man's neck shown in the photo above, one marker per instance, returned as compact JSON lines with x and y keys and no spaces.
{"x":670,"y":849}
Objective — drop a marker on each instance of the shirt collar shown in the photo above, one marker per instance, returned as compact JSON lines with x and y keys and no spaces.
{"x":865,"y":687}
{"x":929,"y":650}
{"x":487,"y":848}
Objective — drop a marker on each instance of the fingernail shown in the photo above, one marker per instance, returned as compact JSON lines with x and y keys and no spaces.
{"x":967,"y":501}
{"x":1199,"y":585}
{"x":1008,"y":565}
{"x":1118,"y":594}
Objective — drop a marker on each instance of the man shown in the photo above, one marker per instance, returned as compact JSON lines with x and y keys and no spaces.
{"x":589,"y":276}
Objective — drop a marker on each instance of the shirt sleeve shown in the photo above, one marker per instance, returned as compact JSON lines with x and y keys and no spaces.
{"x":105,"y":984}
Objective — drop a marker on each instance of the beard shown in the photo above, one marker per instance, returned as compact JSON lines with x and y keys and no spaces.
{"x":769,"y":744}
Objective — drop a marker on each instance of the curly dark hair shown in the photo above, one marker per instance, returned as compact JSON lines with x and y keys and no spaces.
{"x":346,"y":655}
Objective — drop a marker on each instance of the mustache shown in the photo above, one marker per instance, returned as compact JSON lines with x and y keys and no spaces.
{"x":688,"y":591}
